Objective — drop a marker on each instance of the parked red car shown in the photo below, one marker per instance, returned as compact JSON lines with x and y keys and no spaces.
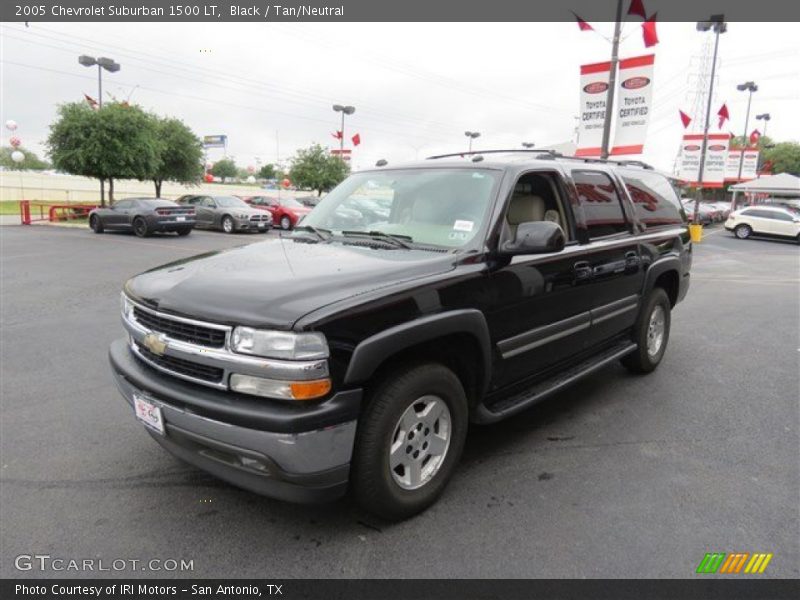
{"x":286,"y":212}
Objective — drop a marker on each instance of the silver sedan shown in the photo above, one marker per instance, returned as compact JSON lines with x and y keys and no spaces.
{"x":227,"y":213}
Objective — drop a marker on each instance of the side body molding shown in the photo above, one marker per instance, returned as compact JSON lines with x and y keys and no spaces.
{"x":371,"y":352}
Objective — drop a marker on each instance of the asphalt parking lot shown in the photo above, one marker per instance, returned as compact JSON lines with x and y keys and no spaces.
{"x":620,"y":476}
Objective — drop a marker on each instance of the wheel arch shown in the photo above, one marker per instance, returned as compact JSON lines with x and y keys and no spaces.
{"x":665,"y":273}
{"x":459,"y":339}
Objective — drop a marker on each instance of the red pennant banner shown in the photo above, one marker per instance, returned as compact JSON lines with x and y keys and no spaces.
{"x":583,"y":25}
{"x":723,"y":115}
{"x":356,"y":139}
{"x":685,"y":119}
{"x":649,"y":31}
{"x":637,"y":9}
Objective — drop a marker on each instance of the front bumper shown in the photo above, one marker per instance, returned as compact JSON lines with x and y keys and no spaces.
{"x":248,"y":225}
{"x":281,"y":450}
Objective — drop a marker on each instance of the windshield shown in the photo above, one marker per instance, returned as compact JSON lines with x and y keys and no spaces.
{"x":291,"y":203}
{"x":441,"y":207}
{"x":230,"y":202}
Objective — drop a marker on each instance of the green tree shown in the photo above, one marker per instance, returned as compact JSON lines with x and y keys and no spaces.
{"x":115,"y":142}
{"x":224,"y":168}
{"x":180,"y":154}
{"x":784,"y":156}
{"x":31,"y":162}
{"x":267,"y":172}
{"x":314,"y":168}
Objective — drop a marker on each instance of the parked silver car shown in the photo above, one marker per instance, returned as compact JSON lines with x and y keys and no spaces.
{"x":227,"y":213}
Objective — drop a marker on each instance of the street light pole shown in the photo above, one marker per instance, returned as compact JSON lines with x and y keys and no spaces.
{"x":612,"y":82}
{"x":528,"y":145}
{"x":112,"y":67}
{"x":717,"y":22}
{"x":766,"y":118}
{"x":472,"y":135}
{"x":750,"y":87}
{"x":345,"y":110}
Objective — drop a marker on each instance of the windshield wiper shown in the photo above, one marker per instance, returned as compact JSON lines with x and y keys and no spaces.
{"x":403,"y":241}
{"x":322,"y":233}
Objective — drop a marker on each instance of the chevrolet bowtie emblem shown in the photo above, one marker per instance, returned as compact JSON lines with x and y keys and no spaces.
{"x":155,"y":343}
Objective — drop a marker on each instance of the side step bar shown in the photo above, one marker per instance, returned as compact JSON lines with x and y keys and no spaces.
{"x":541,"y":390}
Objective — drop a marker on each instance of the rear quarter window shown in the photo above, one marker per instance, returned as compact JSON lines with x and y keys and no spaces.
{"x":654,"y":199}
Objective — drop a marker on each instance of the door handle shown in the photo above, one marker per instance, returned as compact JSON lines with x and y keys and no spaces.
{"x":632,"y":259}
{"x":582,"y":270}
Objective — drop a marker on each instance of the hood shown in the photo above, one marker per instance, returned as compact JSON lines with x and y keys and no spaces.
{"x":272,"y":284}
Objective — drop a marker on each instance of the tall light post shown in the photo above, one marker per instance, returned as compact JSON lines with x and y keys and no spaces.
{"x":112,"y":67}
{"x":528,"y":145}
{"x":747,"y":86}
{"x":472,"y":135}
{"x":345,"y":110}
{"x":766,"y":118}
{"x":718,"y":25}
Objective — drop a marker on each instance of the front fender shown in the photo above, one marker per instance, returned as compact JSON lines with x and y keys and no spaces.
{"x":374,"y":350}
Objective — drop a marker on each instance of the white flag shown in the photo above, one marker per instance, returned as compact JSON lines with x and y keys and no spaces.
{"x":594,"y":88}
{"x":634,"y":104}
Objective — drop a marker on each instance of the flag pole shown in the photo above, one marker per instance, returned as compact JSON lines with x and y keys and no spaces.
{"x":612,"y":82}
{"x":704,"y":145}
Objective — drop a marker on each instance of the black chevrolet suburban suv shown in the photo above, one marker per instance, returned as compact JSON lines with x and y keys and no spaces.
{"x":353,"y":353}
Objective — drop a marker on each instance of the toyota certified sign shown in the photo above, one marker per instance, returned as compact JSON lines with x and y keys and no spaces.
{"x":634,"y":104}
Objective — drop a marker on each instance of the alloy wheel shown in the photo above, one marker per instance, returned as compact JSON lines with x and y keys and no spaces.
{"x":420,"y":442}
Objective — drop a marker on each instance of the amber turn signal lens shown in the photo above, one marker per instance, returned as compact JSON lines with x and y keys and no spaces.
{"x":308,"y":390}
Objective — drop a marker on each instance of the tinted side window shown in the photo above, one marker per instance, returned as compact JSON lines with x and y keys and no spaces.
{"x":654,"y":199}
{"x":601,"y":204}
{"x":123,"y":204}
{"x":781,"y":216}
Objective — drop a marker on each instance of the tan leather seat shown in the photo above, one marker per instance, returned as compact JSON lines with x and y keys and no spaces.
{"x":524,"y":208}
{"x":553,"y":216}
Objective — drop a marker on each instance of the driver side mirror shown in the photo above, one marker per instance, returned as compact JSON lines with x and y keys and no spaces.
{"x":535,"y":237}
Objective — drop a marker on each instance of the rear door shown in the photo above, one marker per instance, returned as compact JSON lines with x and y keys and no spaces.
{"x":610,"y":261}
{"x":204,"y":206}
{"x":781,"y":223}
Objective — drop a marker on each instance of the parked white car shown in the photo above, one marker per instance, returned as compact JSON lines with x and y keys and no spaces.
{"x":769,"y":221}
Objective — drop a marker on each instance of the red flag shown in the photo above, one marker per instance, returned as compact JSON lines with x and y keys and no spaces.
{"x":649,"y":31}
{"x":584,"y":26}
{"x":92,"y":102}
{"x":723,"y":115}
{"x":356,"y":139}
{"x":685,"y":119}
{"x":337,"y":135}
{"x":755,"y":136}
{"x":637,"y":8}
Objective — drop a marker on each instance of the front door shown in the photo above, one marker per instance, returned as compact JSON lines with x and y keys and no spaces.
{"x":539,"y":310}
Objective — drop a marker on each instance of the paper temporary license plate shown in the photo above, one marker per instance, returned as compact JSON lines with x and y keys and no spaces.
{"x":148,"y":413}
{"x":180,"y":218}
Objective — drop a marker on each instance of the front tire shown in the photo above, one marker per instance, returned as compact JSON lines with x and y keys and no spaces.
{"x":227,"y":224}
{"x":286,"y":223}
{"x":96,"y":224}
{"x":743,"y":231}
{"x":651,"y":333}
{"x":410,"y":438}
{"x":140,"y":227}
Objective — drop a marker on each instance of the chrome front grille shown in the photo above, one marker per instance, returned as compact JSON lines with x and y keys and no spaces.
{"x":257,"y":218}
{"x":185,"y":331}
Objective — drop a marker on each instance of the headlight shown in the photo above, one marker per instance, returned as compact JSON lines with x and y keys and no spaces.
{"x":279,"y":344}
{"x":127,"y":307}
{"x":241,"y":216}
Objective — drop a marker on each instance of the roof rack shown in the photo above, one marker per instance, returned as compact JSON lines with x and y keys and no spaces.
{"x":472,"y":152}
{"x":544,"y":154}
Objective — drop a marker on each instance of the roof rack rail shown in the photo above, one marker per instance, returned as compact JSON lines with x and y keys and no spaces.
{"x":471,"y":152}
{"x":544,"y":154}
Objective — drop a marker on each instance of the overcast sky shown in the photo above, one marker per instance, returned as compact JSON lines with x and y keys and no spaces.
{"x":416,"y":87}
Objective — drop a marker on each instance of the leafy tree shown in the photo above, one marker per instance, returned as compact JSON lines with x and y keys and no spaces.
{"x":316,"y":169}
{"x":180,"y":154}
{"x":117,"y":141}
{"x":31,"y":162}
{"x":224,"y":168}
{"x":784,"y":156}
{"x":267,"y":172}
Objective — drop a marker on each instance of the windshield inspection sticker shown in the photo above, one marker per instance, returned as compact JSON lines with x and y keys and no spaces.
{"x":463,"y":225}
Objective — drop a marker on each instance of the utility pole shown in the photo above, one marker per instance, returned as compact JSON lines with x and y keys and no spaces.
{"x":717,"y":22}
{"x":612,"y":82}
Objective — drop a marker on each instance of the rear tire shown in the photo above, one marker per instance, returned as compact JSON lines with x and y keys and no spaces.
{"x":227,"y":224}
{"x":409,"y":441}
{"x":743,"y":231}
{"x":96,"y":224}
{"x":651,"y":333}
{"x":184,"y":232}
{"x":140,"y":227}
